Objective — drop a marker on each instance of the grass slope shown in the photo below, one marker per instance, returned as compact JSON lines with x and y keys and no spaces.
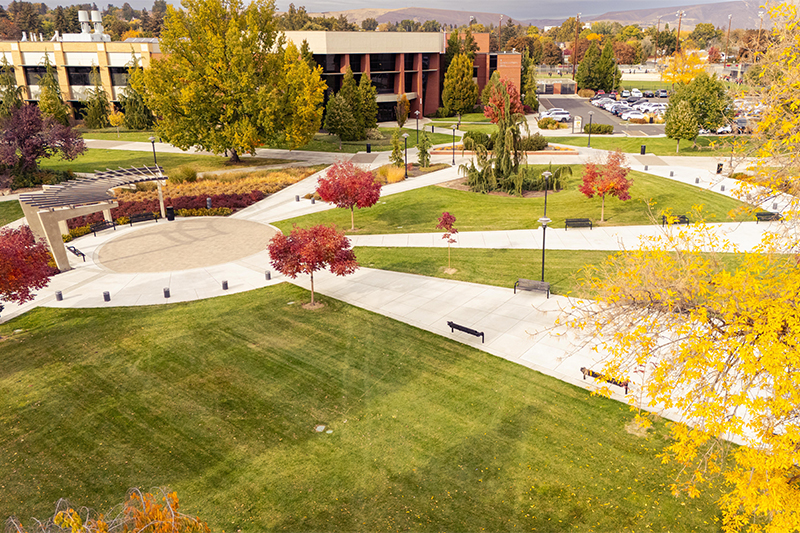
{"x":99,"y":159}
{"x":9,"y":212}
{"x":662,"y":146}
{"x":417,"y":211}
{"x":218,"y":400}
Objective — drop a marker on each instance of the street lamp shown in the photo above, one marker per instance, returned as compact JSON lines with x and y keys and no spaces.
{"x":544,"y":221}
{"x":678,"y":42}
{"x":575,"y":45}
{"x":158,"y":182}
{"x":417,"y":113}
{"x":728,"y":40}
{"x":454,"y":143}
{"x":405,"y":141}
{"x":591,"y":114}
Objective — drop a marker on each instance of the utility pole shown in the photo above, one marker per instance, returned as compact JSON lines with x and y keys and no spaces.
{"x":758,"y":43}
{"x":575,"y":46}
{"x":658,"y":34}
{"x":500,"y":35}
{"x":728,"y":40}
{"x":678,"y":40}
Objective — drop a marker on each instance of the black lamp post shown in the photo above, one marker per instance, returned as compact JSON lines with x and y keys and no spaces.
{"x":158,"y":182}
{"x":417,"y":114}
{"x":454,"y":143}
{"x":589,"y":145}
{"x":405,"y":141}
{"x":153,"y":142}
{"x":544,"y":221}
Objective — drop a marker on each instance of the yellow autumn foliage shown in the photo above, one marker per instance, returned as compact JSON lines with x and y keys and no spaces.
{"x":682,"y":67}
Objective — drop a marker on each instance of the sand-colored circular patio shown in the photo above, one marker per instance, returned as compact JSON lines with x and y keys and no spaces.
{"x":184,"y":244}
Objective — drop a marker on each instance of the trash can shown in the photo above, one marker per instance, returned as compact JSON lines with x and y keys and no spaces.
{"x":170,"y":213}
{"x":642,"y":150}
{"x":651,"y":120}
{"x":719,"y":168}
{"x":208,"y":203}
{"x":369,"y":148}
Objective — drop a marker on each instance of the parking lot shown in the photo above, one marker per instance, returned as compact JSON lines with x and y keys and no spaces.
{"x":580,"y":107}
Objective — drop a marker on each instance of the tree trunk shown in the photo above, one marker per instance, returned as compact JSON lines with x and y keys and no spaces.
{"x":312,"y":288}
{"x":448,"y":256}
{"x":678,"y":147}
{"x":602,"y":207}
{"x":234,"y":157}
{"x":352,"y":219}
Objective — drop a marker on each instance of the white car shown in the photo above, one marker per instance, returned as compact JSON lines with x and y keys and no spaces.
{"x":636,"y":92}
{"x":726,"y":129}
{"x":559,"y":116}
{"x":632,"y":114}
{"x":552,"y":110}
{"x":626,"y":93}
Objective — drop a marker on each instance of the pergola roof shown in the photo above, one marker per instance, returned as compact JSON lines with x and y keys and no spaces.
{"x":84,"y":191}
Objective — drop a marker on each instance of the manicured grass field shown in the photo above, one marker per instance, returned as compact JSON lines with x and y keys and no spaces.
{"x":98,"y":159}
{"x":9,"y":212}
{"x":706,"y":145}
{"x":323,"y":142}
{"x":488,"y":267}
{"x":218,"y":400}
{"x":417,"y":211}
{"x":467,"y":117}
{"x":110,"y":134}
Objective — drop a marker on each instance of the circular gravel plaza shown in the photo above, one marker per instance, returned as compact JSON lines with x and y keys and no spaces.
{"x":184,"y":244}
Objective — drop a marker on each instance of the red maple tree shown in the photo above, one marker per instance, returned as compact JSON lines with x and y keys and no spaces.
{"x":306,"y":250}
{"x":446,"y":222}
{"x":23,"y":265}
{"x":349,"y":186}
{"x":496,"y":107}
{"x":608,"y":179}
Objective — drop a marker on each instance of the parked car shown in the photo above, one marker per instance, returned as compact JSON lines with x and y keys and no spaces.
{"x":560,"y":116}
{"x":625,"y":93}
{"x":547,"y":112}
{"x":636,"y":92}
{"x":649,"y":94}
{"x":632,"y":99}
{"x":725,"y":130}
{"x":629,"y":115}
{"x":613,"y":94}
{"x":601,"y":92}
{"x":662,"y":93}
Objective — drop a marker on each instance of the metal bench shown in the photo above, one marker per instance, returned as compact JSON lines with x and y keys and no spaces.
{"x":592,"y":374}
{"x":141,"y":217}
{"x":766,"y":216}
{"x":100,"y":226}
{"x":77,"y":252}
{"x":578,"y":223}
{"x":465,"y":329}
{"x":674,"y":219}
{"x":532,"y":285}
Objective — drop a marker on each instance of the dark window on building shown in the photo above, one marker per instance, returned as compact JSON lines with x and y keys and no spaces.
{"x":329,"y":62}
{"x":355,"y":62}
{"x":492,"y":63}
{"x":334,"y":82}
{"x":474,"y":71}
{"x":426,"y":61}
{"x":119,"y":76}
{"x":410,"y":87}
{"x":409,"y":61}
{"x":384,"y":83}
{"x":424,"y":86}
{"x":387,"y":112}
{"x":79,"y":75}
{"x":381,"y":62}
{"x":32,"y":74}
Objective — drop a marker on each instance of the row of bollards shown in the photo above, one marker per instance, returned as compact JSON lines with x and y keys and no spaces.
{"x":297,"y":199}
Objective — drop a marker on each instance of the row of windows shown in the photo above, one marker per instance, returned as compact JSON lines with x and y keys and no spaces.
{"x":332,"y":63}
{"x":78,"y":75}
{"x":383,"y":82}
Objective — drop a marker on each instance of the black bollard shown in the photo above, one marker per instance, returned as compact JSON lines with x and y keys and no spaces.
{"x":166,"y":292}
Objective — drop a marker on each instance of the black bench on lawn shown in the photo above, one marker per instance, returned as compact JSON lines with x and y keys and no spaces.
{"x":592,"y":374}
{"x":77,"y":252}
{"x":577,"y":223}
{"x":766,"y":216}
{"x":100,"y":226}
{"x":674,"y":219}
{"x":465,"y":329}
{"x":141,"y":217}
{"x":532,"y":285}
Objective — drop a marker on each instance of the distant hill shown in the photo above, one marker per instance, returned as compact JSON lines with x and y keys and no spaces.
{"x":744,"y":15}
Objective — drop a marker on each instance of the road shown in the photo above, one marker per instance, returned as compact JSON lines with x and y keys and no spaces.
{"x":581,"y":107}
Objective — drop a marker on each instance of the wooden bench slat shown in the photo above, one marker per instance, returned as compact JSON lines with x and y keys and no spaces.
{"x":141,"y":217}
{"x":767,"y":216}
{"x":465,"y":329}
{"x":597,"y":375}
{"x":578,"y":223}
{"x":100,"y":226}
{"x":532,"y":285}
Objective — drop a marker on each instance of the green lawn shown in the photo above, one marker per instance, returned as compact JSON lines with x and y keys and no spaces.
{"x":324,"y":142}
{"x":9,"y":212}
{"x":218,"y":399}
{"x":706,"y":145}
{"x":110,"y":134}
{"x":488,"y":267}
{"x":467,"y":117}
{"x":417,"y":211}
{"x":98,"y":159}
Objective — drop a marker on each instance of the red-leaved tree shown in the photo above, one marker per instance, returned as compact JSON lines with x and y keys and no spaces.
{"x":349,"y":186}
{"x":496,"y":107}
{"x":27,"y":137}
{"x":608,"y":179}
{"x":23,"y":265}
{"x":446,"y":222}
{"x":306,"y":250}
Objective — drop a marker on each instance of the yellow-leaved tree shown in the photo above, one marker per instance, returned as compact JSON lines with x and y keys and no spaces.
{"x":712,"y":333}
{"x":682,"y":67}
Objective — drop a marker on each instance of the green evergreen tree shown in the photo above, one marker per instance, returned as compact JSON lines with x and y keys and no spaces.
{"x":470,"y":45}
{"x":507,"y":147}
{"x":95,"y":116}
{"x":529,"y":86}
{"x":50,"y":101}
{"x":453,"y":48}
{"x":608,"y":74}
{"x":709,"y":100}
{"x":490,"y":86}
{"x":137,"y":115}
{"x":588,"y":74}
{"x":681,"y":123}
{"x":308,"y":57}
{"x":352,"y":96}
{"x":369,"y":99}
{"x":423,"y":149}
{"x":10,"y":93}
{"x":339,"y":119}
{"x":397,"y":150}
{"x":460,"y":92}
{"x":402,"y":109}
